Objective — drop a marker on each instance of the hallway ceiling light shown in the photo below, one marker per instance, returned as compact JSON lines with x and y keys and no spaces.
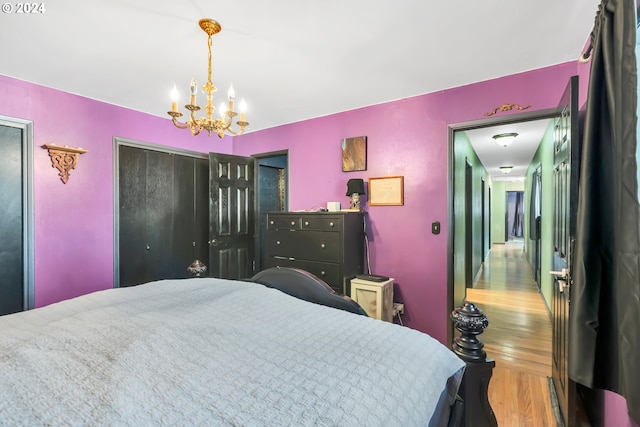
{"x":505,"y":139}
{"x":208,"y":123}
{"x":505,"y":169}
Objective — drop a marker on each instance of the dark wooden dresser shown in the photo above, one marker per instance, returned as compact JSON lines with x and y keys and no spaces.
{"x":329,"y":245}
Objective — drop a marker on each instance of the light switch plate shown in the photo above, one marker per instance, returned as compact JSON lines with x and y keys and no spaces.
{"x":435,"y":227}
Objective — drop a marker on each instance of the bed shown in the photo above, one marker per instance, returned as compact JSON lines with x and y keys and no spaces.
{"x":207,"y":351}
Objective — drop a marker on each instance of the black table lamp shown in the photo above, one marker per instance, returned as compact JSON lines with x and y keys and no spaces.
{"x":355,"y":187}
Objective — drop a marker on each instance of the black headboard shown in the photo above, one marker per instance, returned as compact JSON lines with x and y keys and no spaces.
{"x":304,"y":285}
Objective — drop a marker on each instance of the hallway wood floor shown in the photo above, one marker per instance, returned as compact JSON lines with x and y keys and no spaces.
{"x":518,"y":337}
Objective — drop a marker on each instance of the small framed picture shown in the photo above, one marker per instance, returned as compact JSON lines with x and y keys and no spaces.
{"x":386,"y":191}
{"x":354,"y":154}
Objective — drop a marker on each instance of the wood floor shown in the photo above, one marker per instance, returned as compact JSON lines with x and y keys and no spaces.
{"x":518,"y":337}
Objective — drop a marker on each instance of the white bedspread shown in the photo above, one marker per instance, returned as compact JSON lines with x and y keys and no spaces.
{"x":213,"y":352}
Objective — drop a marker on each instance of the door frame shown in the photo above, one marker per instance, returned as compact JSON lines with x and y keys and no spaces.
{"x":117,"y":143}
{"x":451,"y":131}
{"x":258,"y":225}
{"x":28,"y":239}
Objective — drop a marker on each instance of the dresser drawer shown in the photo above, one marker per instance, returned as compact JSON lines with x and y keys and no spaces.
{"x":288,"y":222}
{"x":314,"y":245}
{"x":321,"y":222}
{"x":328,"y":272}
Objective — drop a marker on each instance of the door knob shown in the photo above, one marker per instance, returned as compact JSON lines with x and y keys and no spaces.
{"x":213,"y":242}
{"x":562,"y":274}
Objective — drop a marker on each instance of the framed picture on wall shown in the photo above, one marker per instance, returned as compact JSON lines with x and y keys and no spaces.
{"x":386,"y":191}
{"x":354,"y":154}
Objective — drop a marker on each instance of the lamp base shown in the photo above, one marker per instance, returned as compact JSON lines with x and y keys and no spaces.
{"x":355,"y":202}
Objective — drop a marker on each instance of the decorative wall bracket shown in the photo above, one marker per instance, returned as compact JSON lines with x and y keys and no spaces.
{"x":506,"y":107}
{"x":64,"y":158}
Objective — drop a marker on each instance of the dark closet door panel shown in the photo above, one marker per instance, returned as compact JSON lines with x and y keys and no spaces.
{"x":11,"y":225}
{"x":182,"y":244}
{"x":201,"y":236}
{"x":159,"y":214}
{"x":132,"y":193}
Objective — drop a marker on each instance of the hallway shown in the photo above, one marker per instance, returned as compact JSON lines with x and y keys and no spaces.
{"x":518,"y":337}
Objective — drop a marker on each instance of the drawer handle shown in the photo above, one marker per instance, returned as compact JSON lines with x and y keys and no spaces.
{"x":322,"y":245}
{"x":277,"y":242}
{"x":306,"y":223}
{"x":331,"y":224}
{"x":293,"y":223}
{"x":322,"y":273}
{"x":271,"y":222}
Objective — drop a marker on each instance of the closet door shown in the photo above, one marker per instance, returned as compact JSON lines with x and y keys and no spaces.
{"x":11,"y":221}
{"x":201,"y":222}
{"x":164,"y":214}
{"x":159,"y":219}
{"x":133,"y":259}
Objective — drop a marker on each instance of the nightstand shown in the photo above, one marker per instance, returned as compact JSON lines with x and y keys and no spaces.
{"x":376,"y":298}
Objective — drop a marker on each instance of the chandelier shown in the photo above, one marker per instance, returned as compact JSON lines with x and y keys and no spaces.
{"x":197,"y":124}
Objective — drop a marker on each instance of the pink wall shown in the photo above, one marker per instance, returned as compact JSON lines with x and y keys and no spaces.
{"x":74,"y":222}
{"x":409,"y":138}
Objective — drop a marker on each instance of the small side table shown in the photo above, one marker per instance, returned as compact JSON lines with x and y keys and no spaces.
{"x":376,"y":298}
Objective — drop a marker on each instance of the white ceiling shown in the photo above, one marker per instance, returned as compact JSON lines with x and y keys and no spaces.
{"x":291,"y":60}
{"x":518,"y":154}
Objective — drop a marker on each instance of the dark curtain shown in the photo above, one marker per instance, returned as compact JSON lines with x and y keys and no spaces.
{"x":517,"y":229}
{"x":534,"y":207}
{"x":605,"y":299}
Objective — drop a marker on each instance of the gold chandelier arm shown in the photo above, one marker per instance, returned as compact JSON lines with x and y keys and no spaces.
{"x":174,"y":118}
{"x":233,"y":132}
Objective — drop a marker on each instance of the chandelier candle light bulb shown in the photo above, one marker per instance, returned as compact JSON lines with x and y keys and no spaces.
{"x":232,"y":95}
{"x":243,"y":110}
{"x":174,"y":99}
{"x":193,"y":89}
{"x":195,"y":124}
